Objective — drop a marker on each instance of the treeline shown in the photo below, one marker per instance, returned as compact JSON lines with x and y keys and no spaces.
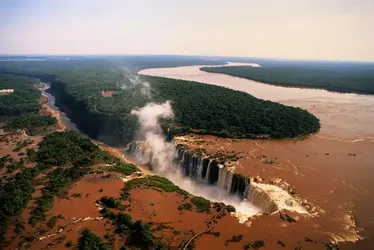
{"x":23,"y":100}
{"x":339,"y":77}
{"x":31,"y":122}
{"x":21,"y":108}
{"x":217,"y":110}
{"x":70,"y":147}
{"x":197,"y":107}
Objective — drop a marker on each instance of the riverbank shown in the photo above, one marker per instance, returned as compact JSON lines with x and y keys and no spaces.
{"x":308,"y":167}
{"x":331,"y":169}
{"x":47,"y":110}
{"x":346,"y":116}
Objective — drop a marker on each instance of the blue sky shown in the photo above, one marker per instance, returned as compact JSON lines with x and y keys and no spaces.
{"x":300,"y":29}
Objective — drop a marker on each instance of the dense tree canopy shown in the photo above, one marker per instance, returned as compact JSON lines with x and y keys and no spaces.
{"x":226,"y":112}
{"x":61,"y":148}
{"x":21,"y":107}
{"x":30,"y":121}
{"x":77,"y":86}
{"x":89,"y":241}
{"x":23,"y":100}
{"x":14,"y":196}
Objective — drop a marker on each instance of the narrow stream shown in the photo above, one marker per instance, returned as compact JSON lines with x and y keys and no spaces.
{"x":51,"y":103}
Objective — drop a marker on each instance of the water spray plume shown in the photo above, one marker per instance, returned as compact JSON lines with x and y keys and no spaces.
{"x":163,"y":160}
{"x":134,"y":82}
{"x":163,"y":152}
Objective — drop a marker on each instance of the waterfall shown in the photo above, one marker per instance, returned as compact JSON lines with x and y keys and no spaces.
{"x":208,"y":171}
{"x":269,"y":198}
{"x":260,"y":199}
{"x":225,"y":178}
{"x":245,"y":193}
{"x":183,"y":156}
{"x":272,"y":198}
{"x":193,"y":166}
{"x":142,"y":154}
{"x":229,"y":179}
{"x":222,"y":173}
{"x":200,"y":169}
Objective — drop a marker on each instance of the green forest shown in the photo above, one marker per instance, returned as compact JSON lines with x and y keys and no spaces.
{"x":72,"y":153}
{"x":20,"y":109}
{"x":229,"y":113}
{"x":338,"y":77}
{"x":199,"y":108}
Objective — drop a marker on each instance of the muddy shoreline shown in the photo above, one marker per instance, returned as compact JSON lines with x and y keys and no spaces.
{"x":331,"y":171}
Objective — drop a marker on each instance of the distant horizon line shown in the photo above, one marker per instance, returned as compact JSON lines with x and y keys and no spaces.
{"x":183,"y":55}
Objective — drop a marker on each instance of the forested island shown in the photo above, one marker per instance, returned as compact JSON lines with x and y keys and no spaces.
{"x":338,"y":77}
{"x":78,"y":86}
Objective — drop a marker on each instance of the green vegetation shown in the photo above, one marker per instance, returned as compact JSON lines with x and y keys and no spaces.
{"x":201,"y":108}
{"x":202,"y":204}
{"x":234,"y":238}
{"x":123,"y":223}
{"x":216,"y":110}
{"x":62,"y":148}
{"x":218,"y":206}
{"x":126,"y":169}
{"x":14,"y":197}
{"x":25,"y":143}
{"x":21,"y":107}
{"x":254,"y":244}
{"x":111,"y":202}
{"x":31,"y":122}
{"x":14,"y":165}
{"x":341,"y":77}
{"x":185,"y":206}
{"x":31,"y":154}
{"x":287,"y":218}
{"x":88,"y":240}
{"x":65,"y":149}
{"x":4,"y":159}
{"x":156,"y":182}
{"x":281,"y":243}
{"x":20,"y":226}
{"x":330,"y":246}
{"x":138,"y":234}
{"x":53,"y":220}
{"x":24,"y":98}
{"x":59,"y":181}
{"x":69,"y":243}
{"x":216,"y":234}
{"x":230,"y":209}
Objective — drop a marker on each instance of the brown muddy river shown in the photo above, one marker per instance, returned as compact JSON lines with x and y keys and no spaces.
{"x":334,"y":168}
{"x":347,"y":116}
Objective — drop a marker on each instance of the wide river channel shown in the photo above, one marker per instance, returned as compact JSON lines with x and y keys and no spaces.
{"x":347,"y":116}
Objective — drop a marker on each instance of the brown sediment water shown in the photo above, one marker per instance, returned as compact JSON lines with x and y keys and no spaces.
{"x":348,"y":116}
{"x":89,"y":190}
{"x":332,"y":169}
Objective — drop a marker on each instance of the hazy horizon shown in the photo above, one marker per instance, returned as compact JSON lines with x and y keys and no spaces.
{"x":338,"y":30}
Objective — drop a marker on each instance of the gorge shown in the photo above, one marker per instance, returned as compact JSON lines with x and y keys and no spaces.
{"x":220,"y":174}
{"x":293,"y":176}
